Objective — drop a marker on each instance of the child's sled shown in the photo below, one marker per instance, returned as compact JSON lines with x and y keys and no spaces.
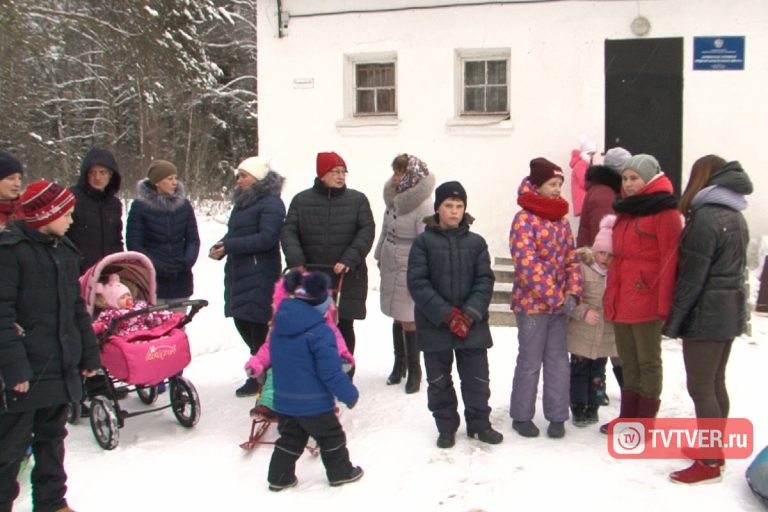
{"x":757,"y":476}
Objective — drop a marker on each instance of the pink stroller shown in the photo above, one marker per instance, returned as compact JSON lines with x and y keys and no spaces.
{"x":141,"y":361}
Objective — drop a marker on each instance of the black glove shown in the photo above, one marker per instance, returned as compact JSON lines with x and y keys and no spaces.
{"x":351,"y":405}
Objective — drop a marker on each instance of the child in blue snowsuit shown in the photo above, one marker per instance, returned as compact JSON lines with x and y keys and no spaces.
{"x":307,"y":375}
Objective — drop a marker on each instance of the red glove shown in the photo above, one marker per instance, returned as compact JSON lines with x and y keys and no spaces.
{"x":458,"y":323}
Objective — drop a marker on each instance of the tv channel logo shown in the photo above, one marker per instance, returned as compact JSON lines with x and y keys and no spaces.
{"x":627,"y":438}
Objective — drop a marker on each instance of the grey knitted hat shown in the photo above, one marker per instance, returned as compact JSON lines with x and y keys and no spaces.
{"x":644,"y":165}
{"x":615,"y":158}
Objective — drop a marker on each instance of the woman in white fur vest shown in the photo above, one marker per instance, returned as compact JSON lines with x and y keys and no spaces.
{"x":408,"y":199}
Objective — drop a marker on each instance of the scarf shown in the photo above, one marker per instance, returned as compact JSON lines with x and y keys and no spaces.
{"x":415,"y":170}
{"x":642,"y":205}
{"x":549,"y":208}
{"x":7,"y":206}
{"x":715,"y":194}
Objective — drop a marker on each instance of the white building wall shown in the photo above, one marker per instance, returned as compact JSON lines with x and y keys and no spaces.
{"x":557,"y":91}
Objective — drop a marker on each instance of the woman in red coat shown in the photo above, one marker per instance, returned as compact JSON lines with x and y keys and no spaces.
{"x":641,"y":280}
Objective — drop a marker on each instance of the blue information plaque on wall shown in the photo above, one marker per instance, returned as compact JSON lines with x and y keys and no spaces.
{"x":718,"y":53}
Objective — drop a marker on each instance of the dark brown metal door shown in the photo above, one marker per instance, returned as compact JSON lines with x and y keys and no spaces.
{"x":644,"y":99}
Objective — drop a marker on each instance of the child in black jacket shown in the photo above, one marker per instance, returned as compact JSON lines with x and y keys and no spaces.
{"x":46,"y":343}
{"x":451,"y":282}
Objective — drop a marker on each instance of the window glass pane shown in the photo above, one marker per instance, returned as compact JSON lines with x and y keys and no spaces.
{"x":387,"y":75}
{"x":474,"y":99}
{"x":497,"y":99}
{"x":497,"y":72}
{"x":375,"y":75}
{"x":365,"y":101}
{"x":385,"y":100}
{"x":474,"y":73}
{"x":365,"y":76}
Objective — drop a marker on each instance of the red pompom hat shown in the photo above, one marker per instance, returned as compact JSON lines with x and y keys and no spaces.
{"x":43,"y":202}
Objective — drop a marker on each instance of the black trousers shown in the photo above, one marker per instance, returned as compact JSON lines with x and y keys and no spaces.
{"x":347,"y":329}
{"x":254,"y":334}
{"x":587,"y":378}
{"x":44,"y":429}
{"x":472,"y":365}
{"x":294,"y":434}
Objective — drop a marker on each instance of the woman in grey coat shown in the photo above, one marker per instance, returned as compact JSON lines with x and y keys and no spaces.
{"x":408,"y":198}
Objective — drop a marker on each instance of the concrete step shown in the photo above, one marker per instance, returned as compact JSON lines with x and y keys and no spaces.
{"x":500,"y":315}
{"x":502,"y":294}
{"x":503,"y":273}
{"x":504,"y":261}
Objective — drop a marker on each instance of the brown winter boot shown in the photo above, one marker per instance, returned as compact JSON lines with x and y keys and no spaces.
{"x":398,"y":340}
{"x":413,"y":357}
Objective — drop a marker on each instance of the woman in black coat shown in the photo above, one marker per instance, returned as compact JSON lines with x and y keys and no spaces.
{"x":162,"y":225}
{"x":97,"y":229}
{"x":710,"y":305}
{"x":252,"y":247}
{"x":330,"y":227}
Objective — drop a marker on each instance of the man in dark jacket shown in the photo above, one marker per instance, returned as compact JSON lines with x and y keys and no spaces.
{"x":46,"y":343}
{"x":451,"y":282}
{"x":330,"y":227}
{"x":97,"y":229}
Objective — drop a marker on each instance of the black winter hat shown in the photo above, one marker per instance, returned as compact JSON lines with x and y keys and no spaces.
{"x":9,"y":164}
{"x":450,"y":189}
{"x":311,"y":288}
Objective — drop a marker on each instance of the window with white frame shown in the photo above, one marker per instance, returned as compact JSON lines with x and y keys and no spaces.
{"x":482,"y":82}
{"x":370,"y":85}
{"x":375,"y":89}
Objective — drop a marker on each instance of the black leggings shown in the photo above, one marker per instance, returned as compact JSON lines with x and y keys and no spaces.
{"x":254,"y":334}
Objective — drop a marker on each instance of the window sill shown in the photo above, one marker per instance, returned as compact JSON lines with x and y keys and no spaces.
{"x":364,"y":121}
{"x":480,"y":124}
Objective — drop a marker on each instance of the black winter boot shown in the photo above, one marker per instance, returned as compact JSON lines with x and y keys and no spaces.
{"x":413,"y":357}
{"x":398,"y":340}
{"x":579,"y":415}
{"x":618,"y":371}
{"x":591,"y":416}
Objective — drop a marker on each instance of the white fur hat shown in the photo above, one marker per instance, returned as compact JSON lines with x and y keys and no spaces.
{"x":256,"y":166}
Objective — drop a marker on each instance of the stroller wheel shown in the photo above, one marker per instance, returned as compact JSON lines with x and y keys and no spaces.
{"x":104,"y":422}
{"x":185,"y":402}
{"x":74,"y":413}
{"x":147,"y":394}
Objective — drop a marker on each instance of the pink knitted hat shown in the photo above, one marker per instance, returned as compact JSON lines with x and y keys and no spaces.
{"x":604,"y":239}
{"x":112,"y":290}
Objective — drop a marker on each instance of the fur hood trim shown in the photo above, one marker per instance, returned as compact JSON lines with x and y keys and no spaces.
{"x":147,"y":194}
{"x":272,"y":184}
{"x":408,"y":200}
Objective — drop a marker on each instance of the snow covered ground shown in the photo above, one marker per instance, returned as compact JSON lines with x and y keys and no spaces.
{"x":159,"y":465}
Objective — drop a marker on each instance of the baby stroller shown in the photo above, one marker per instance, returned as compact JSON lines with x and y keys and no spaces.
{"x":262,"y":415}
{"x":141,"y":361}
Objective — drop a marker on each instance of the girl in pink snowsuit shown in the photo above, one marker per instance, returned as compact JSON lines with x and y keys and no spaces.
{"x":116,"y":300}
{"x":260,"y":362}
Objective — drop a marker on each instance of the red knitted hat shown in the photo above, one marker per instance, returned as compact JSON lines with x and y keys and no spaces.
{"x":327,"y":161}
{"x":43,"y":202}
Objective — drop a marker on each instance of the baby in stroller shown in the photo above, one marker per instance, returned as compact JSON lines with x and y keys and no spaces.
{"x":258,"y":365}
{"x":115,"y":300}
